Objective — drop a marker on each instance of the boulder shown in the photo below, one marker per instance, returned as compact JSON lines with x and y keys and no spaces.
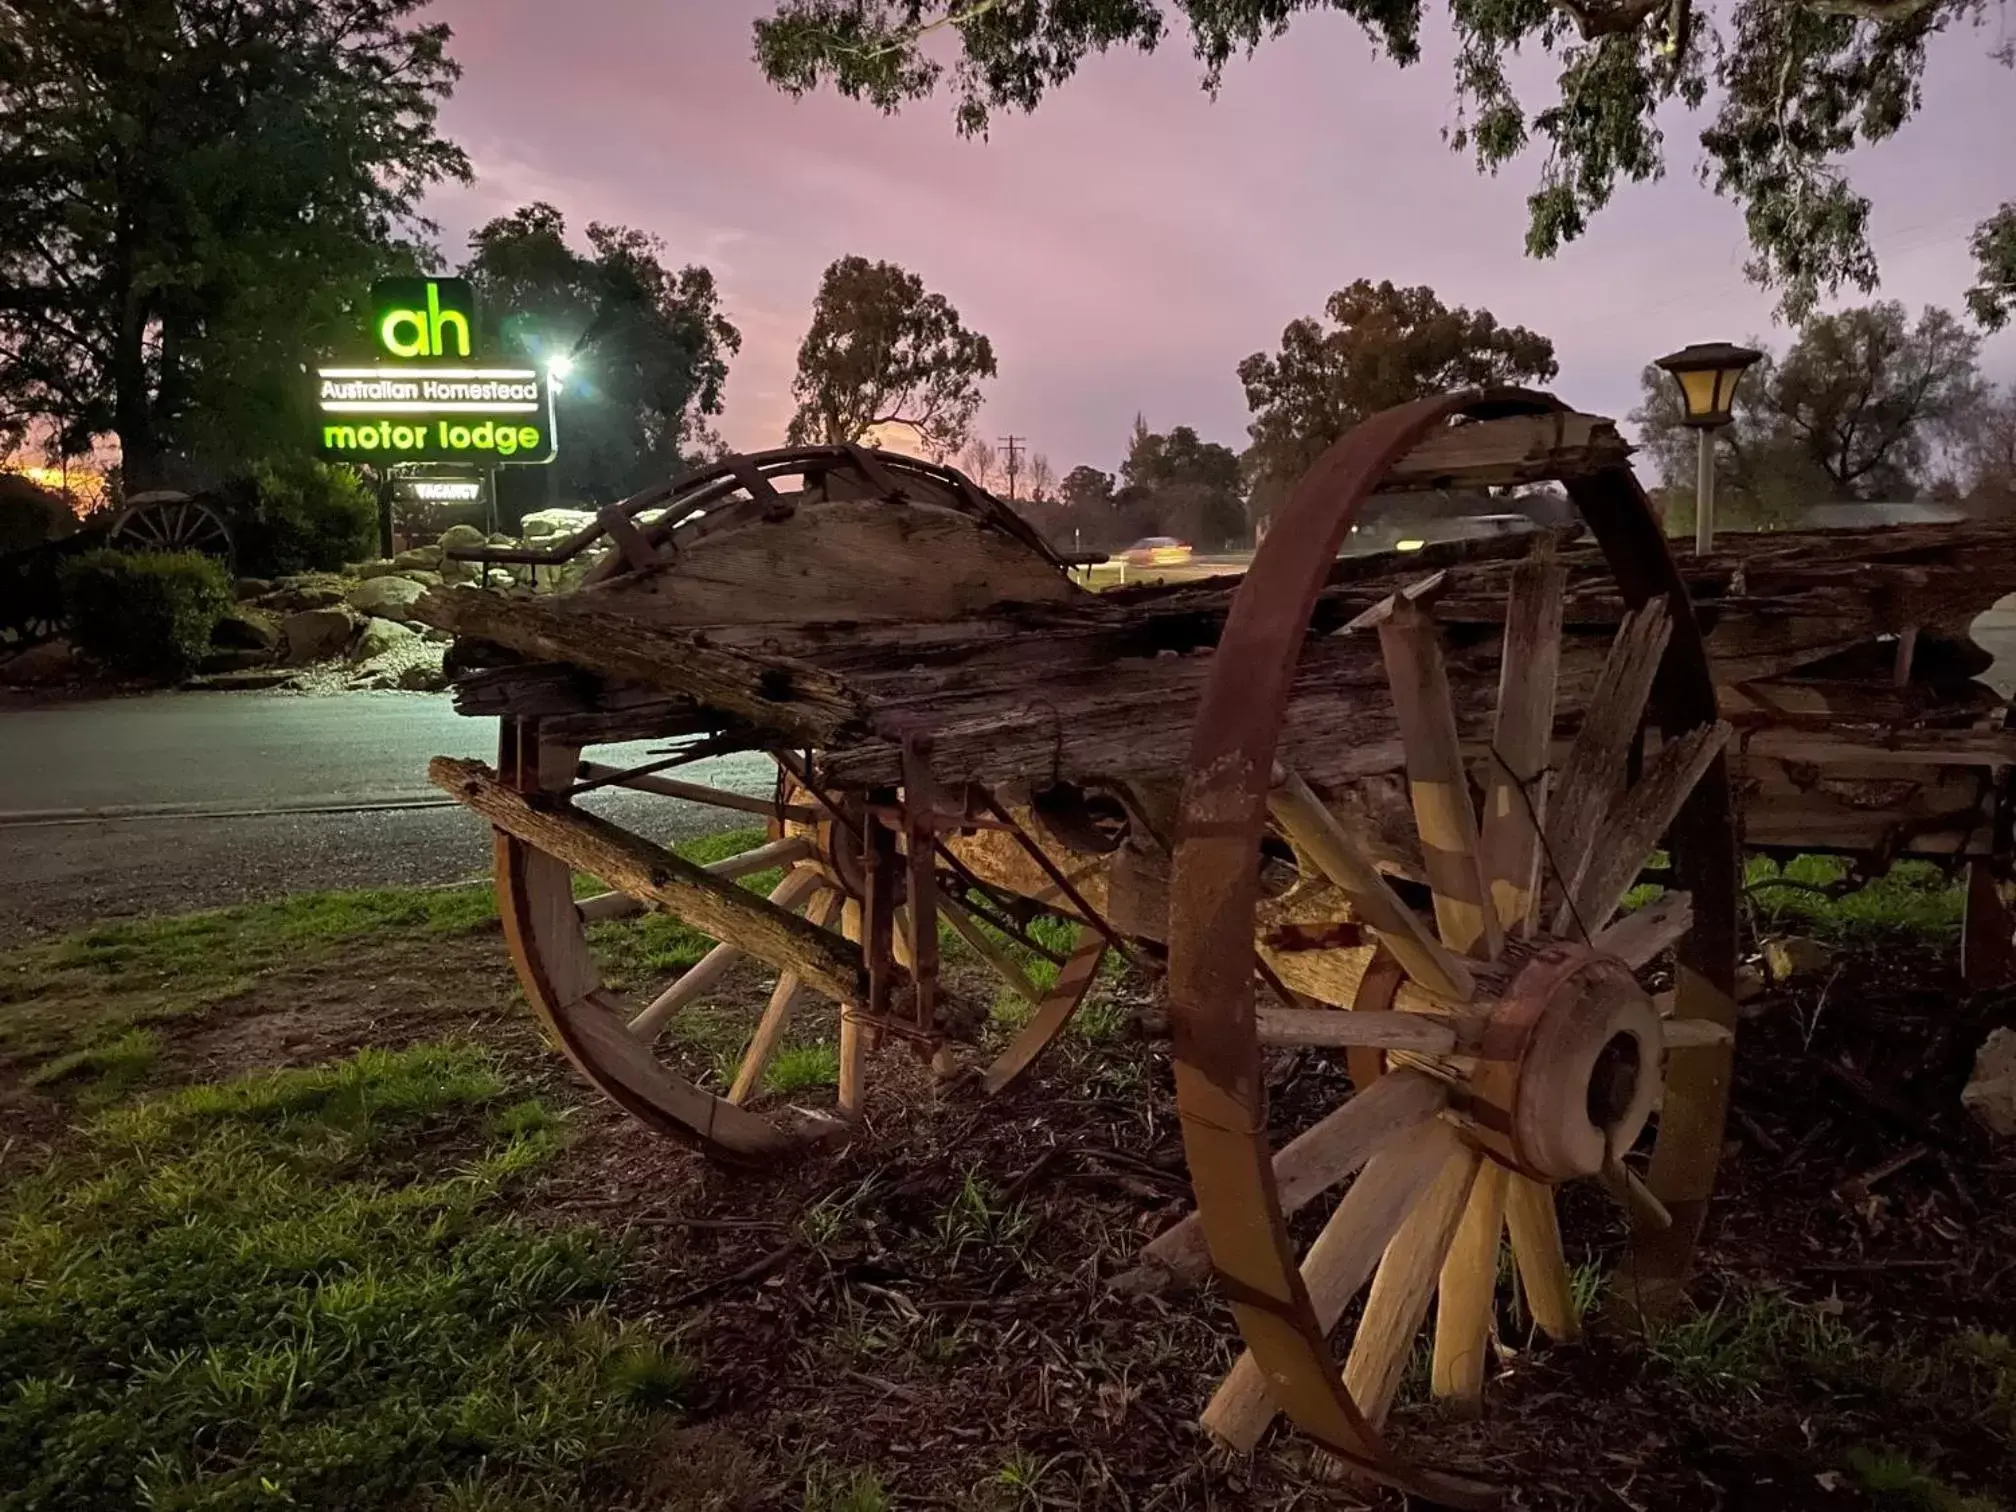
{"x":314,"y":635}
{"x":53,"y":661}
{"x":1990,"y":1093}
{"x":423,"y":577}
{"x":423,"y":677}
{"x":386,"y":597}
{"x":379,"y":636}
{"x":307,"y":590}
{"x":551,"y":522}
{"x":502,"y":540}
{"x":497,"y":577}
{"x":383,"y":567}
{"x":252,"y":588}
{"x":428,"y":557}
{"x":1795,"y":956}
{"x":453,"y":571}
{"x":462,"y":537}
{"x":434,"y":636}
{"x":247,"y":629}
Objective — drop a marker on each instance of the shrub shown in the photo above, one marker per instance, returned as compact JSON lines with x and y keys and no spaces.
{"x":146,"y":614}
{"x":302,"y":515}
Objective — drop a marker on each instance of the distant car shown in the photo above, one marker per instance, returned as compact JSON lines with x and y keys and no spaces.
{"x":1156,"y":551}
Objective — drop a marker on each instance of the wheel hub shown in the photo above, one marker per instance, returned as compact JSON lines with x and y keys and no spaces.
{"x":1569,"y":1067}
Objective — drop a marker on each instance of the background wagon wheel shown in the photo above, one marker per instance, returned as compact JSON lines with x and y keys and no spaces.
{"x":623,"y":1045}
{"x":170,"y":522}
{"x":1528,"y":1053}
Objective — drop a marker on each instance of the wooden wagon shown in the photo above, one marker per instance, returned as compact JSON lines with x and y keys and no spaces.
{"x":1468,"y":818}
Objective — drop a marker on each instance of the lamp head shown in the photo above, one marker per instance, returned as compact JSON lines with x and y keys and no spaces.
{"x":1707,"y":374}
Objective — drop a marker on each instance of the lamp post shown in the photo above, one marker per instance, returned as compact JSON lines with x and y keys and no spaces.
{"x":1707,"y":374}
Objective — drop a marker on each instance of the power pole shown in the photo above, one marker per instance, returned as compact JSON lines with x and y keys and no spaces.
{"x":1012,"y":446}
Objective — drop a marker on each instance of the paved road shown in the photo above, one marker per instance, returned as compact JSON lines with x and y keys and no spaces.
{"x":188,"y":800}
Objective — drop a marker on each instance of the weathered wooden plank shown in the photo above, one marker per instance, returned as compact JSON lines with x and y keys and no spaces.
{"x":1502,"y":453}
{"x":631,"y":864}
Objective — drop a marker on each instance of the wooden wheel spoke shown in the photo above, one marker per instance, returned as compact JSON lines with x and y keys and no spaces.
{"x":1515,"y":779}
{"x":1436,"y":781}
{"x":853,"y":1033}
{"x":1405,"y":1281}
{"x":1316,"y":832}
{"x":1638,"y":937}
{"x":1536,"y":1249}
{"x":989,"y":949}
{"x":777,"y":1013}
{"x":1340,"y":1029}
{"x":785,"y":852}
{"x":1466,"y":1290}
{"x":1594,"y":770}
{"x":1313,"y":1162}
{"x":1405,"y":1176}
{"x":704,"y":974}
{"x":1637,"y":823}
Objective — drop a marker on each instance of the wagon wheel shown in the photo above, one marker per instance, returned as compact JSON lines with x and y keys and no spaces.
{"x":1524,"y":1050}
{"x":170,"y":522}
{"x":630,"y":1047}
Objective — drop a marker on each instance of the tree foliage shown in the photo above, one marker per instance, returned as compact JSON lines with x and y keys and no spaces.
{"x":649,"y":346}
{"x":194,"y":196}
{"x":1798,"y":83}
{"x":1860,"y":407}
{"x":882,"y":351}
{"x":1384,"y":345}
{"x":1179,"y":485}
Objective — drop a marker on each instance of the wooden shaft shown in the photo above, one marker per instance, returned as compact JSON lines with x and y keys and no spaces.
{"x":632,"y":864}
{"x":700,"y":792}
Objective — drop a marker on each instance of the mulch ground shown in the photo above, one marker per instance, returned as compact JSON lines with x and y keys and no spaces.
{"x":930,"y":1299}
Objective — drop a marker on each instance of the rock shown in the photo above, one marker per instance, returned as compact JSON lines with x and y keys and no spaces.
{"x":497,"y":577}
{"x":53,"y":661}
{"x":428,"y":557}
{"x":1750,"y":983}
{"x":386,"y":597}
{"x":314,"y":635}
{"x":549,"y":522}
{"x":423,"y":677}
{"x":307,"y":590}
{"x":435,"y":636}
{"x":1795,"y":955}
{"x":246,"y":629}
{"x":1990,"y":1093}
{"x":453,"y":571}
{"x":383,"y":567}
{"x":379,"y":636}
{"x":423,"y":577}
{"x":252,"y":588}
{"x":502,"y":540}
{"x":461,"y":537}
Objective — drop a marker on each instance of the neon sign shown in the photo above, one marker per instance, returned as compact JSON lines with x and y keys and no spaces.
{"x":423,"y":406}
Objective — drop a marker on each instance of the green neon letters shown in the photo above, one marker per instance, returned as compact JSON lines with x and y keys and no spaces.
{"x":434,"y":437}
{"x":423,"y":317}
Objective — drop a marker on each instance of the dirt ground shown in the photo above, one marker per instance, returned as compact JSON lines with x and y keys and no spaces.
{"x":920,"y":1316}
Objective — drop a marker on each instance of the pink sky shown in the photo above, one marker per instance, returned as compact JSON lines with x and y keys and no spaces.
{"x":1129,"y":243}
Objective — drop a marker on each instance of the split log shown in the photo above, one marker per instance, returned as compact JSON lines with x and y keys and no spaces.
{"x":631,"y":864}
{"x":795,"y":699}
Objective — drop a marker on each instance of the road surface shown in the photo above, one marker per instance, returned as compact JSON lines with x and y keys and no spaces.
{"x":192,"y":800}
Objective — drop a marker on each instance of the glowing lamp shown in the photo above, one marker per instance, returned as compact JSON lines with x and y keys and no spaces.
{"x":1707,"y":374}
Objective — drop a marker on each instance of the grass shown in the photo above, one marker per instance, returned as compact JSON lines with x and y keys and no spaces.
{"x":796,"y":1067}
{"x":307,"y":1288}
{"x":831,"y":1490}
{"x":1764,"y":1345}
{"x":85,"y":993}
{"x":1913,"y":896}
